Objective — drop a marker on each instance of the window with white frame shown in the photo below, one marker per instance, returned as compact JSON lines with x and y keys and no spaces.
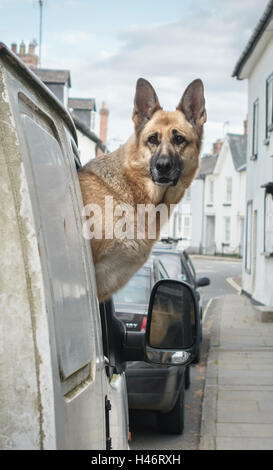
{"x":255,"y":129}
{"x":228,"y":189}
{"x":227,"y":229}
{"x":268,"y":221}
{"x":186,"y":227}
{"x":248,"y":244}
{"x":179,"y":224}
{"x":269,"y":105}
{"x":188,"y":194}
{"x":93,"y":119}
{"x":211,"y":191}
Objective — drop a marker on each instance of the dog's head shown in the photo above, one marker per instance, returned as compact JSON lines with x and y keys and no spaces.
{"x":169,"y":142}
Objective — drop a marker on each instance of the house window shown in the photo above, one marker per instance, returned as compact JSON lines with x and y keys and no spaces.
{"x":188,"y":194}
{"x":228,"y":189}
{"x":187,"y":227}
{"x":255,"y":129}
{"x":269,"y":105}
{"x":179,"y":224}
{"x":93,"y":117}
{"x":211,"y":191}
{"x":227,"y":229}
{"x":248,"y":245}
{"x":268,"y":221}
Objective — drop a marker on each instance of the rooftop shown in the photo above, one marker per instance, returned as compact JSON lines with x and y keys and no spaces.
{"x":256,"y":35}
{"x":53,"y":76}
{"x":207,"y":165}
{"x":237,"y":144}
{"x":82,"y":103}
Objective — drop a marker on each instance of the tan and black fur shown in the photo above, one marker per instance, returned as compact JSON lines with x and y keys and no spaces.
{"x":154,"y":166}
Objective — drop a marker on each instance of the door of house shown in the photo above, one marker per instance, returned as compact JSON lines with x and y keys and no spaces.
{"x":254,"y":250}
{"x":241,"y":242}
{"x":210,"y":235}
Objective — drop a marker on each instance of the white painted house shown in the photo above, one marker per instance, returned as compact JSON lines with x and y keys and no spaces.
{"x":187,"y":221}
{"x":210,"y":218}
{"x":83,"y":113}
{"x":83,"y":110}
{"x":189,"y":217}
{"x":224,"y":199}
{"x":200,"y":242}
{"x":180,"y":223}
{"x":256,"y":65}
{"x":88,"y":142}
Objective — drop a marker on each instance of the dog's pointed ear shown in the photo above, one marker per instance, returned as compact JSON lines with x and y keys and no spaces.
{"x":145,"y":104}
{"x":192,"y":103}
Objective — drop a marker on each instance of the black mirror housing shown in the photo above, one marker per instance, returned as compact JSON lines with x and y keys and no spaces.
{"x":171,"y":336}
{"x":172,"y":324}
{"x":203,"y":281}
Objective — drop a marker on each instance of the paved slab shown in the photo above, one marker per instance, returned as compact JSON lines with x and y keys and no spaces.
{"x":238,"y":399}
{"x":246,"y":443}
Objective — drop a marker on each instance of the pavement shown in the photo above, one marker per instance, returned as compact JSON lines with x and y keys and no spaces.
{"x":233,"y":259}
{"x":237,"y":411}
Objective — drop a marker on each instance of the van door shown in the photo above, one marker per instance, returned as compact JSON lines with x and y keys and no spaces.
{"x":65,"y":402}
{"x":69,"y":291}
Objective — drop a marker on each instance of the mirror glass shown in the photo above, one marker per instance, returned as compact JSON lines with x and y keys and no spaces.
{"x":173,"y":320}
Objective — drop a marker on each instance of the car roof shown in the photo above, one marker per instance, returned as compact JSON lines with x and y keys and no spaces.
{"x":167,"y":251}
{"x":149,"y":263}
{"x":142,"y":269}
{"x":163,"y":246}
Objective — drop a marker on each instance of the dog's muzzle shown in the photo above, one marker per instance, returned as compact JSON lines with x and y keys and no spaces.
{"x":166,"y":169}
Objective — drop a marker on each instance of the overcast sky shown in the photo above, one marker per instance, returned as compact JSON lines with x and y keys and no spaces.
{"x":108,"y":44}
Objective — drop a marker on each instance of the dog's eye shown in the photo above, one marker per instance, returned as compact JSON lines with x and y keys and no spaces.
{"x":178,"y":139}
{"x":153,"y":139}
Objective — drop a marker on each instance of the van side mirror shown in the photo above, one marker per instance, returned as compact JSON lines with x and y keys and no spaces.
{"x":172,"y":324}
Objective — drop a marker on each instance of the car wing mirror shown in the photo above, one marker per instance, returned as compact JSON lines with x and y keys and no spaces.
{"x":172,"y":323}
{"x":203,"y":281}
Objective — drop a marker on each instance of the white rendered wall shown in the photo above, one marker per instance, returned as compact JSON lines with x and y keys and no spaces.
{"x":87,"y":147}
{"x":259,"y":282}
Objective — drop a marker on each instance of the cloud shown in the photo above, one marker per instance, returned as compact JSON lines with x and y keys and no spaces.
{"x":205,"y":43}
{"x":75,"y":38}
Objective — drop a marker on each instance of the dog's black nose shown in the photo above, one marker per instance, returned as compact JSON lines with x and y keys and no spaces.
{"x":164,"y":164}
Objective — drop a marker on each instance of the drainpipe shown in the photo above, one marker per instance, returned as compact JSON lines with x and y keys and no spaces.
{"x":203,"y":215}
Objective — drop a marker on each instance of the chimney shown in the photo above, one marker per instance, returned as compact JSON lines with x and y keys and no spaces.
{"x":22,"y":49}
{"x":14,"y":47}
{"x":104,"y":112}
{"x":216,"y":147}
{"x":246,"y":126}
{"x":29,"y":58}
{"x":31,"y":48}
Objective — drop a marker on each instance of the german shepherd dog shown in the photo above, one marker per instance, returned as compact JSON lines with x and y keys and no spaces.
{"x":155,"y":166}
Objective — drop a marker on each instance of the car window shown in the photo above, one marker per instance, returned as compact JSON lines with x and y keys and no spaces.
{"x":173,"y":265}
{"x":137,"y":290}
{"x":162,"y":271}
{"x":164,"y":246}
{"x":190,"y":265}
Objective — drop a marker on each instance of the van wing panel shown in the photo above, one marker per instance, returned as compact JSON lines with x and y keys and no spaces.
{"x":62,"y":257}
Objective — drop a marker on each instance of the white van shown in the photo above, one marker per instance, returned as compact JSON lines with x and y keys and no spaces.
{"x":61,"y":373}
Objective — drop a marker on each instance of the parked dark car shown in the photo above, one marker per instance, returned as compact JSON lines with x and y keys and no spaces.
{"x":178,"y":265}
{"x":151,"y":386}
{"x":131,"y":302}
